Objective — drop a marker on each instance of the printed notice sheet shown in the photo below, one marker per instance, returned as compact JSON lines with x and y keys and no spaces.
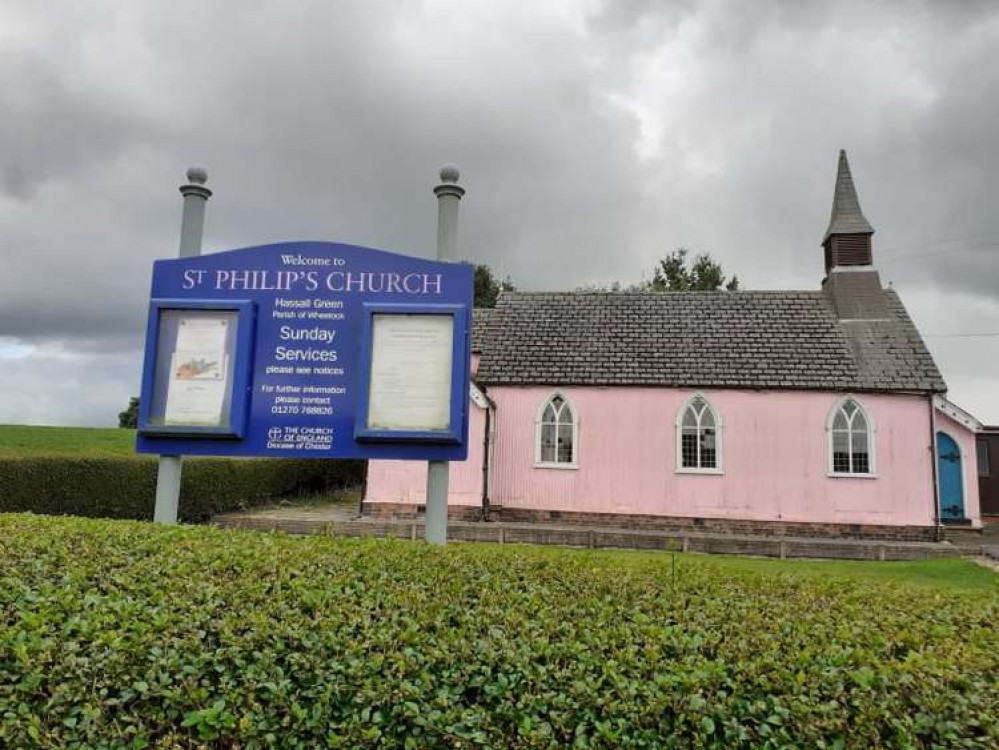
{"x":410,"y":386}
{"x":198,"y":372}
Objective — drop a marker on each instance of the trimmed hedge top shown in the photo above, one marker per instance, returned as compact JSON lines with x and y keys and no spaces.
{"x":125,"y":487}
{"x":86,"y":471}
{"x":120,"y":634}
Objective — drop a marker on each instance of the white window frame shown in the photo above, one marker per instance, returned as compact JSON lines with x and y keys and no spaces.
{"x":538,"y":416}
{"x":719,"y":442}
{"x":872,"y":441}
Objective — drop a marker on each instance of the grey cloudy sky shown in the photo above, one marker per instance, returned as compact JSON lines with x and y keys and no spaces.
{"x":593,"y":137}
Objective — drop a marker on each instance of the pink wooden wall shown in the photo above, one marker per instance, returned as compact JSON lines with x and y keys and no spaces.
{"x":406,"y":481}
{"x":774,"y":456}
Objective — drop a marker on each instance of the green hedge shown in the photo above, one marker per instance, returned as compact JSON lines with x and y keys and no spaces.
{"x":119,"y":487}
{"x":118,"y":634}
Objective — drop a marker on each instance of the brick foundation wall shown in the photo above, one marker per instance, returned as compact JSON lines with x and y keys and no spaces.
{"x":725,"y":525}
{"x":409,"y":510}
{"x":665,"y":523}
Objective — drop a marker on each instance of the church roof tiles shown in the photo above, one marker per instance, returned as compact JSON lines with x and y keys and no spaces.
{"x":748,"y":339}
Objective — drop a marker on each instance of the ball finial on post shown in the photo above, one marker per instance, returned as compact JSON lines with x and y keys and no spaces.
{"x":449,"y":187}
{"x":197,"y":175}
{"x":195,"y":186}
{"x":450,"y":173}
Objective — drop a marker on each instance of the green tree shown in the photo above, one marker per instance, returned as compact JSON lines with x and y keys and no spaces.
{"x":488,"y":287}
{"x":130,"y":417}
{"x":703,"y":274}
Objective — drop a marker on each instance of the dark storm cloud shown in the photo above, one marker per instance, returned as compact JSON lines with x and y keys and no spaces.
{"x":52,"y":129}
{"x":592,"y":138}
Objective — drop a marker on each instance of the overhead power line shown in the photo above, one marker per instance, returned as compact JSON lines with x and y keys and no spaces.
{"x":991,"y":334}
{"x":979,"y":240}
{"x":892,"y":257}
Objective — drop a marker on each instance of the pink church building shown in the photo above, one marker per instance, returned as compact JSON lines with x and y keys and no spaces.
{"x":790,"y":412}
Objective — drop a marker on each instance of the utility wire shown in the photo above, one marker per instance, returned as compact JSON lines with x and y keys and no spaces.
{"x":950,"y":251}
{"x":961,"y":335}
{"x":984,"y":239}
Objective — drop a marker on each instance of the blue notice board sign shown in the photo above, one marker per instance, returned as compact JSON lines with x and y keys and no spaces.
{"x":307,"y":350}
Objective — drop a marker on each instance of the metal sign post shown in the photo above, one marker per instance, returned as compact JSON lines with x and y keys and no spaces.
{"x":449,"y":195}
{"x":192,"y":227}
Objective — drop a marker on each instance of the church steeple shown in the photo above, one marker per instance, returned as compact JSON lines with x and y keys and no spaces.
{"x":848,"y":239}
{"x":851,"y":283}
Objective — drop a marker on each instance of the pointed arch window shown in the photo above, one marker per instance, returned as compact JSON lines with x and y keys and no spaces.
{"x":851,"y":440}
{"x":698,"y":437}
{"x":557,"y":433}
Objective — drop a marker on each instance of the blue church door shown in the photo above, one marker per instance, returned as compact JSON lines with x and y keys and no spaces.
{"x":949,"y":476}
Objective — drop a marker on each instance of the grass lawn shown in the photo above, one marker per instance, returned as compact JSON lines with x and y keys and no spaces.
{"x":32,"y":440}
{"x":122,"y":634}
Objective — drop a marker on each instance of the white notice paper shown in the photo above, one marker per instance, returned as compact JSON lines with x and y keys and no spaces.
{"x":410,"y":386}
{"x":198,"y":369}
